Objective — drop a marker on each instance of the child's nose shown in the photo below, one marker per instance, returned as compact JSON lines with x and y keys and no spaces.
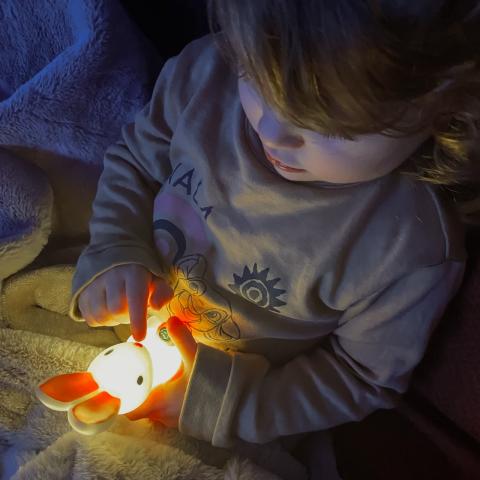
{"x":275,"y":134}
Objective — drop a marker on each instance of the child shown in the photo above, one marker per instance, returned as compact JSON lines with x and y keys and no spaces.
{"x":284,"y":194}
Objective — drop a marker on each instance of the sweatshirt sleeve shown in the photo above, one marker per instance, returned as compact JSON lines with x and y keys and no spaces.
{"x":363,"y":365}
{"x":134,"y":169}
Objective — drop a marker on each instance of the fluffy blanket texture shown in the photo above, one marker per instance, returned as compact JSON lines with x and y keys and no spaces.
{"x":73,"y":72}
{"x":40,"y":443}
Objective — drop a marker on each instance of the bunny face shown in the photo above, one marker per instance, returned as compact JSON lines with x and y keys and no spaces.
{"x":125,"y":372}
{"x":117,"y":381}
{"x":165,"y":359}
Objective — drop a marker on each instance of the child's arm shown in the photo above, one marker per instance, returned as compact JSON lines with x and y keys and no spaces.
{"x":363,"y":366}
{"x":134,"y":169}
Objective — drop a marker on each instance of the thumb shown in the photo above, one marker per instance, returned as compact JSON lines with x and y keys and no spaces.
{"x":183,"y":340}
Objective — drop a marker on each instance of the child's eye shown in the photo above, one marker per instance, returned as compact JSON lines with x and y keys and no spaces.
{"x":329,"y":135}
{"x":337,"y":136}
{"x":241,"y":72}
{"x":332,"y":136}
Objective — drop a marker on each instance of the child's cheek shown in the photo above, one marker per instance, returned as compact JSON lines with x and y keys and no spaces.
{"x":251,"y":103}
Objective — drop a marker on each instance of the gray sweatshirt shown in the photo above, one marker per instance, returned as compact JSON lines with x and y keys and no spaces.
{"x":311,"y":302}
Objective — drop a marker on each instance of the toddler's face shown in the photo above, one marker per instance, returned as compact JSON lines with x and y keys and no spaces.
{"x":304,"y":155}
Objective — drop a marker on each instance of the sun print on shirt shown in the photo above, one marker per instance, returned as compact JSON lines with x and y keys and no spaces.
{"x":255,"y":287}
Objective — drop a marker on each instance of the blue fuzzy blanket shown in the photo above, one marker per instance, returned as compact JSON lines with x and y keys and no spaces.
{"x":73,"y":72}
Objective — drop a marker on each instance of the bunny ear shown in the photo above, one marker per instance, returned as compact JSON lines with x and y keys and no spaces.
{"x":94,"y":414}
{"x":89,"y":410}
{"x":63,"y":391}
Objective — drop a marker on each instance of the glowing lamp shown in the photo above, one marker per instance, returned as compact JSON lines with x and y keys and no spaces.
{"x":117,"y":381}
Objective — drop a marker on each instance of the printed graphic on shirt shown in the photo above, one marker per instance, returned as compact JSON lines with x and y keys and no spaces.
{"x":182,"y":178}
{"x":213,"y":317}
{"x":255,"y":287}
{"x":205,"y":310}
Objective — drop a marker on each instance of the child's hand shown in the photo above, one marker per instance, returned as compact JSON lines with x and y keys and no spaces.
{"x":165,"y":401}
{"x":123,"y":289}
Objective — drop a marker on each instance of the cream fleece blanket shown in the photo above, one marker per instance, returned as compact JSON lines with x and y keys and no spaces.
{"x":38,"y":340}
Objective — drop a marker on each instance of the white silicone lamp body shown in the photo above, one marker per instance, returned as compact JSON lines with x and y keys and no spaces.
{"x":117,"y":381}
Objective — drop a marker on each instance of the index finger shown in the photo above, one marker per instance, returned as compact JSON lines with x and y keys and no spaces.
{"x":137,"y":298}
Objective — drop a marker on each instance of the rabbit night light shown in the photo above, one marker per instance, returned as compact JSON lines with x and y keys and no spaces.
{"x":117,"y":381}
